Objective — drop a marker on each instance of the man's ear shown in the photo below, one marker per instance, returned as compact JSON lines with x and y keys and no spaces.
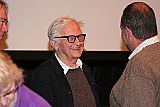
{"x":134,"y":42}
{"x":129,"y":32}
{"x":131,"y":35}
{"x":54,"y":44}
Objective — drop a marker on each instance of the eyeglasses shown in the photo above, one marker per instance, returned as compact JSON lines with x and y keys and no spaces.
{"x":72,"y":38}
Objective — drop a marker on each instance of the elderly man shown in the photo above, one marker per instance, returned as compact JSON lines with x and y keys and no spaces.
{"x":63,"y":80}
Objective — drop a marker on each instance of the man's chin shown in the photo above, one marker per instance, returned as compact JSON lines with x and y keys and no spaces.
{"x":77,"y":55}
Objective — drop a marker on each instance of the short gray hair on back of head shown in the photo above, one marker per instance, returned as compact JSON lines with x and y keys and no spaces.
{"x":58,"y":24}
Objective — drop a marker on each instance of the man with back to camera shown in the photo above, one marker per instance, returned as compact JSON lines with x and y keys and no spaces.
{"x":52,"y":79}
{"x":139,"y":85}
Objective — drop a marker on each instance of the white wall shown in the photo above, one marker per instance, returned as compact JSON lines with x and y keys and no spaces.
{"x":29,"y":21}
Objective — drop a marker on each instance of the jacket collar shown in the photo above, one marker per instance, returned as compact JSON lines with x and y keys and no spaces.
{"x":56,"y":65}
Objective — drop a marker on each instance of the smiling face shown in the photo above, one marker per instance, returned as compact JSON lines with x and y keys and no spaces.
{"x":3,"y":21}
{"x":66,"y":50}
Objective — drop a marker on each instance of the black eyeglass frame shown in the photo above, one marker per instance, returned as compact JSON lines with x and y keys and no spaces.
{"x":73,"y":36}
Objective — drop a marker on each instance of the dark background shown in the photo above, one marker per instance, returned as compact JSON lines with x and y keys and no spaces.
{"x":106,"y":66}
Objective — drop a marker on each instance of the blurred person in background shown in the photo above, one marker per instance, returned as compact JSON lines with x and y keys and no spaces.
{"x":3,"y":18}
{"x":12,"y":91}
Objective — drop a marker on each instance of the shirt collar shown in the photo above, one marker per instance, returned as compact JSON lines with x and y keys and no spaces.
{"x":66,"y":67}
{"x":145,"y":43}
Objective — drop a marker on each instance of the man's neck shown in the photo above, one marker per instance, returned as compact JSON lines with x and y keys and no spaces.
{"x":71,"y":62}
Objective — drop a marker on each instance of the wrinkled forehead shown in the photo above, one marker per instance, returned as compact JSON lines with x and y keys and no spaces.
{"x":2,"y":6}
{"x":3,"y":12}
{"x":70,"y":28}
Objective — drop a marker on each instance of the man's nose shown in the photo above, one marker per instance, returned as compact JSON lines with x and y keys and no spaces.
{"x":77,"y":40}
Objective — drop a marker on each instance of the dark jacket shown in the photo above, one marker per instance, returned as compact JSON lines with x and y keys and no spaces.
{"x":49,"y":81}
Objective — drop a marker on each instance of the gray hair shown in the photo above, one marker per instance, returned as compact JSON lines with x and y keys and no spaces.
{"x":58,"y":24}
